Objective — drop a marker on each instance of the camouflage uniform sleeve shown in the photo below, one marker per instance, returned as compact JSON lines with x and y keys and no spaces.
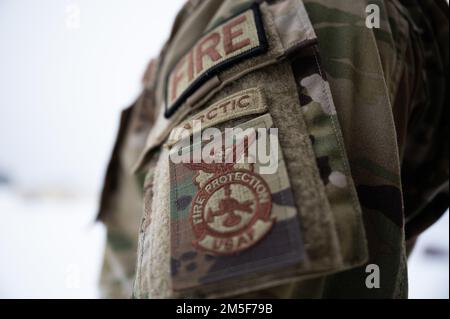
{"x":425,"y":168}
{"x":361,"y":95}
{"x":388,"y":85}
{"x":120,"y":204}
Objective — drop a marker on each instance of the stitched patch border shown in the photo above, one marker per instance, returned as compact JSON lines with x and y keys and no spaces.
{"x":171,"y":109}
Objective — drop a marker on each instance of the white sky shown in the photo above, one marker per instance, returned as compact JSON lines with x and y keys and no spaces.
{"x":64,"y":78}
{"x":67,"y":69}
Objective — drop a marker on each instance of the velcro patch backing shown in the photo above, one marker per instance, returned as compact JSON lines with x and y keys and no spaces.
{"x":234,"y":40}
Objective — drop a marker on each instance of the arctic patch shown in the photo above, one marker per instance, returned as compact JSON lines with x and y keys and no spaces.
{"x":234,"y":40}
{"x":242,"y":103}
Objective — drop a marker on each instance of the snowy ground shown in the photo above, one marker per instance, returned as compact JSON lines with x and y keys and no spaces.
{"x":50,"y":248}
{"x":428,"y":266}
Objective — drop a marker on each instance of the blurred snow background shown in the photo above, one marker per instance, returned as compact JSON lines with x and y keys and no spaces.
{"x":67,"y":69}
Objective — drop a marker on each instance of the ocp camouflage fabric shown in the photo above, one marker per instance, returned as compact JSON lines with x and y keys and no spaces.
{"x":373,"y":107}
{"x":120,"y":206}
{"x":379,"y":83}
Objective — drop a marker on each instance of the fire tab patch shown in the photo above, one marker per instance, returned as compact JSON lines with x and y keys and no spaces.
{"x":242,"y":103}
{"x":236,"y":39}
